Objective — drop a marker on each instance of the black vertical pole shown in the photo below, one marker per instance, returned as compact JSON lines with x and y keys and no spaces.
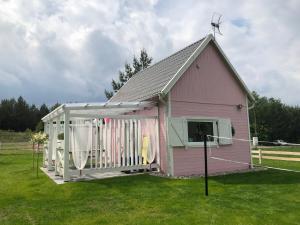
{"x":205,"y":164}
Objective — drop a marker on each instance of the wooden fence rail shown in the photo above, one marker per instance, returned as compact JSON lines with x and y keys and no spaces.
{"x":263,"y":154}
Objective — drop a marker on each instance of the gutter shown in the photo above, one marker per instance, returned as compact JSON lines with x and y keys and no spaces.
{"x":252,"y":106}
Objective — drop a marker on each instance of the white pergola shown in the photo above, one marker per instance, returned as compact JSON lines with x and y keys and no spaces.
{"x":124,"y":133}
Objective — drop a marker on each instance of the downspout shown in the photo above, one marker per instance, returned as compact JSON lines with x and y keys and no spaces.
{"x":252,"y":106}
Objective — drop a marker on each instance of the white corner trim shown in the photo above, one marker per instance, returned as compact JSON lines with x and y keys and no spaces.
{"x":185,"y":66}
{"x":249,"y":132}
{"x":170,"y":159}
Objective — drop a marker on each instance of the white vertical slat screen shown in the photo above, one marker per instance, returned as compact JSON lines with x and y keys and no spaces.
{"x":131,"y":142}
{"x":101,"y":142}
{"x":127,"y":142}
{"x":117,"y":142}
{"x":135,"y":143}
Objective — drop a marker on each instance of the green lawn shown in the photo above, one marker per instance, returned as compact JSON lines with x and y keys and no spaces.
{"x":265,"y":197}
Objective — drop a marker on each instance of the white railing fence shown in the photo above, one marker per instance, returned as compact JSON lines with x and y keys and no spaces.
{"x":110,"y":144}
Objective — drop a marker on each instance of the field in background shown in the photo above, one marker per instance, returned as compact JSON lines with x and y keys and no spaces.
{"x":281,"y":148}
{"x":11,"y":136}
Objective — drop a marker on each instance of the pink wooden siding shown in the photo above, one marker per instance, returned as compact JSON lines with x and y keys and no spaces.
{"x":208,"y":88}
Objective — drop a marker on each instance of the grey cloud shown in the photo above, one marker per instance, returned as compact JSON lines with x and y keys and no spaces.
{"x":69,"y":51}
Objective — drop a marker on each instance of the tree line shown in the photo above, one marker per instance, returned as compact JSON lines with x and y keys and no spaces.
{"x":270,"y":119}
{"x":273,"y":120}
{"x":18,"y":115}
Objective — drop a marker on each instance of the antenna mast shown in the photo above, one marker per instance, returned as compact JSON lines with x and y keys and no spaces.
{"x":215,"y":23}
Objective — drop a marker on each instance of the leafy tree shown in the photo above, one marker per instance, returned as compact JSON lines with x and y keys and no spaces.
{"x":273,"y":120}
{"x":138,"y":64}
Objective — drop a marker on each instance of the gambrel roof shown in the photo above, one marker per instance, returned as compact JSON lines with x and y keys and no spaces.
{"x":159,"y":78}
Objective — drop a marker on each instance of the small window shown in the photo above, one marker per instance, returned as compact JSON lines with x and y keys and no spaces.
{"x":197,"y":129}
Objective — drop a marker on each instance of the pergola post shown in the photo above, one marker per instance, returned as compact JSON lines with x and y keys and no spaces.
{"x":46,"y":127}
{"x":50,"y":146}
{"x":157,"y":142}
{"x":66,"y":174}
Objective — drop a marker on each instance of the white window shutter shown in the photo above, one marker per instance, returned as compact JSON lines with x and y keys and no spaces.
{"x":177,"y":131}
{"x":224,"y":128}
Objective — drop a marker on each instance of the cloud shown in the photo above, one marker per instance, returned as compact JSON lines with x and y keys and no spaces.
{"x":62,"y":51}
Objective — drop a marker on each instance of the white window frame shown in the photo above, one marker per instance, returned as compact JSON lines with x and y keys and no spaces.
{"x":203,"y":119}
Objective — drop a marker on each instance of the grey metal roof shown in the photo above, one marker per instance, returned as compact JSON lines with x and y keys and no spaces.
{"x":149,"y":82}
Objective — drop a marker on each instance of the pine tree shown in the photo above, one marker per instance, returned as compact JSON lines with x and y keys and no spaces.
{"x":138,"y":64}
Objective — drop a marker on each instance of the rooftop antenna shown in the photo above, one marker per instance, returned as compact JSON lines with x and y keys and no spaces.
{"x":215,"y":23}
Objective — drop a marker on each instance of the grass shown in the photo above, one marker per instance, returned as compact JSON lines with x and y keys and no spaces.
{"x":265,"y":197}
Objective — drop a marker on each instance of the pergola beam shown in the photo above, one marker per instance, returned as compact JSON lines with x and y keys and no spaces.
{"x":99,"y":116}
{"x":108,"y":108}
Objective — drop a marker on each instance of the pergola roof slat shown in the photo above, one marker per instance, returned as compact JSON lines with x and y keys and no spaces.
{"x":100,"y":108}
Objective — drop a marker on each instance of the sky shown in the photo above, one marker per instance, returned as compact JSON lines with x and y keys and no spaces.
{"x":69,"y":51}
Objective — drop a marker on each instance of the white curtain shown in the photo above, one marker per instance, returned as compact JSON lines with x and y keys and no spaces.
{"x":81,"y":142}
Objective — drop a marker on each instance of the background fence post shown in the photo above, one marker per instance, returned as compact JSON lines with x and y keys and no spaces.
{"x":259,"y":155}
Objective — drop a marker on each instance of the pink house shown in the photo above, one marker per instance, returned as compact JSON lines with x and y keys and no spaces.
{"x":196,"y":91}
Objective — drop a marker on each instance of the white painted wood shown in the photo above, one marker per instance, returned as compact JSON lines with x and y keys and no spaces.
{"x":135,"y":143}
{"x":50,"y":149}
{"x":110,"y":143}
{"x":169,"y":146}
{"x":157,"y":142}
{"x":87,"y":115}
{"x":101,"y":143}
{"x":115,"y":142}
{"x":139,"y":143}
{"x":92,"y":171}
{"x":131,"y":142}
{"x":97,"y":144}
{"x":66,"y":175}
{"x":127,"y":142}
{"x":123,"y":142}
{"x":119,"y":143}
